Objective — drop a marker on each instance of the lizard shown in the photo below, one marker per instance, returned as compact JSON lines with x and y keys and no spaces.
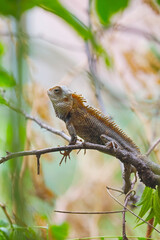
{"x":93,"y":126}
{"x":87,"y":122}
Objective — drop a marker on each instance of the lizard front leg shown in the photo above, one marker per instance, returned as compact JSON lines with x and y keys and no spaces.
{"x":72,"y":133}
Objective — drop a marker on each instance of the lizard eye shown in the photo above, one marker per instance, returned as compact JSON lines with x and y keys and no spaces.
{"x":56,"y":90}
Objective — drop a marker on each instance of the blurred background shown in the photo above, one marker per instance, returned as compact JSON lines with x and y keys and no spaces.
{"x":111,"y":58}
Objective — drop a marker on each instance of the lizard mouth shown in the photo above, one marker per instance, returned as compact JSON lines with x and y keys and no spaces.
{"x":49,"y":92}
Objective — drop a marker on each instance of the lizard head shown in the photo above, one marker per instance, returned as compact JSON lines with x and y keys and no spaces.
{"x":62,"y":101}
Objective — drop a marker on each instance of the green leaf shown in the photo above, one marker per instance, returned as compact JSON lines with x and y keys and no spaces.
{"x":147,"y":194}
{"x":16,"y":8}
{"x":60,"y":232}
{"x":106,"y":8}
{"x":58,"y":9}
{"x":145,"y":207}
{"x":150,"y":215}
{"x":6,"y":79}
{"x":156,"y":206}
{"x":146,"y":202}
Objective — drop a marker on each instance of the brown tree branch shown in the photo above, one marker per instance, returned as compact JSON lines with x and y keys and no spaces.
{"x":143,"y":166}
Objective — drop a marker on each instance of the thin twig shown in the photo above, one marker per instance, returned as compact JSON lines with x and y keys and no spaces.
{"x":127,"y":198}
{"x":38,"y":121}
{"x":127,"y":209}
{"x":6,"y":213}
{"x":152,"y":147}
{"x":92,"y":62}
{"x":116,"y":190}
{"x":135,"y":31}
{"x":78,"y":212}
{"x":94,"y":75}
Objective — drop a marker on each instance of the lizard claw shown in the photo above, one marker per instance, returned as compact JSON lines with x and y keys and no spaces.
{"x":81,"y":149}
{"x":66,"y":154}
{"x":112,"y":145}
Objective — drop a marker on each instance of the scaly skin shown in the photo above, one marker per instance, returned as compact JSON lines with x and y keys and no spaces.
{"x":87,"y":122}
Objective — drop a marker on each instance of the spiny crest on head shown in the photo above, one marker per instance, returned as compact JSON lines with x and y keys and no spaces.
{"x":79,"y":98}
{"x":104,"y":119}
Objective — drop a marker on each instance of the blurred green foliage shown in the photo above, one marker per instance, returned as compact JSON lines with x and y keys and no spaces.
{"x":106,"y":9}
{"x":16,"y":8}
{"x":6,"y":79}
{"x":58,"y":9}
{"x":60,"y":232}
{"x":158,"y":1}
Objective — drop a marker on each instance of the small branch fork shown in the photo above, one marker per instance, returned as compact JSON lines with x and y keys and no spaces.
{"x":127,"y":209}
{"x":128,"y":196}
{"x":6,"y":213}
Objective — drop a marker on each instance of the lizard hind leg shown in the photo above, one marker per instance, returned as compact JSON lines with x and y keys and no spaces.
{"x":109,"y":142}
